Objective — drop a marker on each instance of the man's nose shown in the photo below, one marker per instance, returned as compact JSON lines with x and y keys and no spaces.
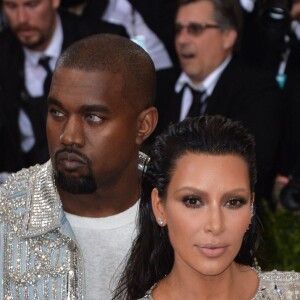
{"x":182,"y":36}
{"x":22,"y":15}
{"x":73,"y":132}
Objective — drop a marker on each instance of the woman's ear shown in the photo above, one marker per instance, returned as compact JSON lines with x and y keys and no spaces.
{"x":158,"y":208}
{"x":147,"y":121}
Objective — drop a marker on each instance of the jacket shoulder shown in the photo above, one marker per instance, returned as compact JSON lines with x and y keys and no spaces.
{"x":285,"y":284}
{"x":18,"y":183}
{"x":280,"y":276}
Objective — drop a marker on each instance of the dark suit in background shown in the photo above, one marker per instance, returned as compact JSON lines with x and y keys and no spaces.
{"x":290,"y":151}
{"x":157,"y":14}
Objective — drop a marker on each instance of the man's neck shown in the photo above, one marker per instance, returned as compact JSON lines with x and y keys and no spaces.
{"x":104,"y":202}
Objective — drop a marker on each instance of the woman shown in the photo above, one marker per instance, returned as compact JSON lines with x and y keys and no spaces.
{"x":197,"y":229}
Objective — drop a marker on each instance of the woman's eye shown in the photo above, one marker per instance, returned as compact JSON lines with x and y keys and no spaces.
{"x":192,"y":201}
{"x":235,"y":203}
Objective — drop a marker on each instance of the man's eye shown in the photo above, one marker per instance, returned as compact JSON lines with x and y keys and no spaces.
{"x":56,"y":113}
{"x":192,"y":201}
{"x":195,"y":29}
{"x":94,"y":118}
{"x":178,"y":28}
{"x":9,"y":5}
{"x":235,"y":203}
{"x":32,"y":4}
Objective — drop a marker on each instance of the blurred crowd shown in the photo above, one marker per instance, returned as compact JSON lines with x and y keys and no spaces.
{"x":237,"y":58}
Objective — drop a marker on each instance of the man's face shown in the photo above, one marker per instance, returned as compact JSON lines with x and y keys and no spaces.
{"x":91,"y":129}
{"x":32,"y":21}
{"x":201,"y":52}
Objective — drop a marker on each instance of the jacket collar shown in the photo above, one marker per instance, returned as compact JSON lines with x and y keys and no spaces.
{"x":43,"y":205}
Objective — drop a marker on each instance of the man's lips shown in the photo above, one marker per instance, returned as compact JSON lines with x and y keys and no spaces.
{"x":187,"y":59}
{"x":212,"y":250}
{"x":70,"y":161}
{"x":25,"y":31}
{"x":187,"y":55}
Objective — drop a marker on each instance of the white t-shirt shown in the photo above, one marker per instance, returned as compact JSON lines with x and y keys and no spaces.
{"x":104,"y":243}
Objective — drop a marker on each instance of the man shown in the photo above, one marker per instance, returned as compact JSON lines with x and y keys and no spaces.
{"x":67,"y":225}
{"x":30,"y":46}
{"x":206,"y":41}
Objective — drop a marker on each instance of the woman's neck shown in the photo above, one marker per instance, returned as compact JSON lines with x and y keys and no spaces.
{"x":235,"y":283}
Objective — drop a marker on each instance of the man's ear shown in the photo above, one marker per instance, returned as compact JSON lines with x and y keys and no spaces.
{"x":158,"y":208}
{"x":55,"y":4}
{"x":147,"y":121}
{"x":229,"y":38}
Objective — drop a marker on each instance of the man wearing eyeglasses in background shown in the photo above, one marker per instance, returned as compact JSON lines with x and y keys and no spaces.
{"x":213,"y":80}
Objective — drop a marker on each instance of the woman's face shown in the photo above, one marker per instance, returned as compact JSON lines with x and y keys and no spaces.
{"x":207,"y":210}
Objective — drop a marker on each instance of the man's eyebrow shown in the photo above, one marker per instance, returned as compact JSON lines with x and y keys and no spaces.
{"x":84,"y":108}
{"x":95,"y":107}
{"x":54,"y":101}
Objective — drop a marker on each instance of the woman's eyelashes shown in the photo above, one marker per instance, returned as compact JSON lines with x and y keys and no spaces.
{"x":235,"y":202}
{"x":193,"y":201}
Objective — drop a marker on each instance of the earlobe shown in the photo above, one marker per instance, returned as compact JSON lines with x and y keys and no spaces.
{"x":158,"y":208}
{"x":147,"y":122}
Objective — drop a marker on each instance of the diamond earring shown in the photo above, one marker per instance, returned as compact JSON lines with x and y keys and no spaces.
{"x":160,"y":221}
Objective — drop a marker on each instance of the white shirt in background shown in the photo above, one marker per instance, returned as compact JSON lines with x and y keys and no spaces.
{"x":121,"y":12}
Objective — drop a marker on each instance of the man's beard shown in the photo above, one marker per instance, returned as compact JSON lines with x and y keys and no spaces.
{"x":34,"y":45}
{"x":76,"y":185}
{"x":37,"y":43}
{"x":85,"y":184}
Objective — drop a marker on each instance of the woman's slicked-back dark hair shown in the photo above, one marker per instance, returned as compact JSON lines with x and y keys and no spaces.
{"x":152,"y":256}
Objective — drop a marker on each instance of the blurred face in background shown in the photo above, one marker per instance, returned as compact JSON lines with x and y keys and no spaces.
{"x":201,"y":51}
{"x":32,"y":21}
{"x":295,"y":11}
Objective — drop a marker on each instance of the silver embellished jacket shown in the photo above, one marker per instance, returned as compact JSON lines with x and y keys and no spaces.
{"x":39,"y":256}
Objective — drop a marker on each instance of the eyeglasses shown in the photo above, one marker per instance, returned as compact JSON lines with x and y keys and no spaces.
{"x":194,"y":28}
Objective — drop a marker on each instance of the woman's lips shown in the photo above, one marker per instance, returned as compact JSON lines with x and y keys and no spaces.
{"x":212,"y":251}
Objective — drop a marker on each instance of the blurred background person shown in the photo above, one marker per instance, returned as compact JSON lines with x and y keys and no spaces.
{"x":272,"y":41}
{"x":149,"y":23}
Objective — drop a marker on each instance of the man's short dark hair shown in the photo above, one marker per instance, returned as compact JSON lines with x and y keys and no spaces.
{"x":116,"y":54}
